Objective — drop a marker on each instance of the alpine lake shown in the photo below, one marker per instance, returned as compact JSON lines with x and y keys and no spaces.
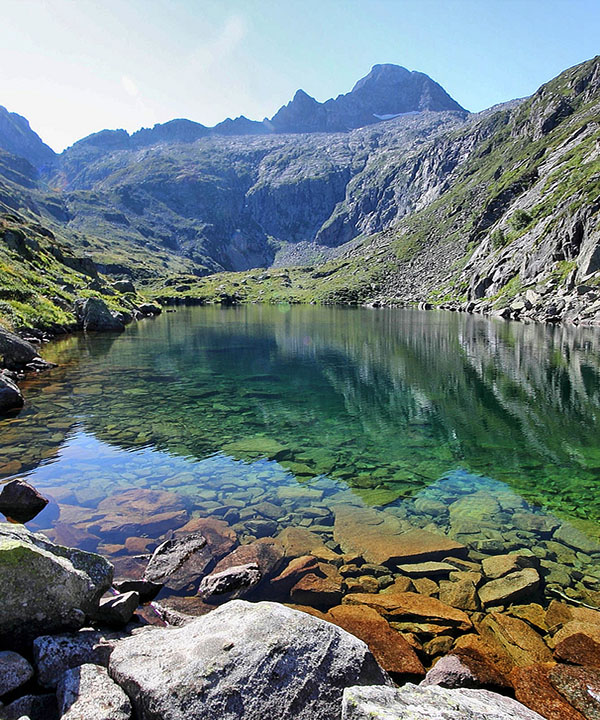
{"x":328,"y":429}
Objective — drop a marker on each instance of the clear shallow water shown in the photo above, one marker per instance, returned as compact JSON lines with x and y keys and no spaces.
{"x":398,"y":410}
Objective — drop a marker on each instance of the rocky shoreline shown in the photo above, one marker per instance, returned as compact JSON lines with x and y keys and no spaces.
{"x":344,"y":633}
{"x":19,"y":355}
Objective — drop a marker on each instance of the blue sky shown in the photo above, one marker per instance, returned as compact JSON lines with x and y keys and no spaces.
{"x":73,"y":67}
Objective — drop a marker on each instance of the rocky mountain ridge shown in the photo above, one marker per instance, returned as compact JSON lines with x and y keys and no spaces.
{"x":446,"y":207}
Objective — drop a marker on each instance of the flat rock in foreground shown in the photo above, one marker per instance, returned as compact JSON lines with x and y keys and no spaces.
{"x":382,"y":539}
{"x":411,"y":702}
{"x":247,"y":660}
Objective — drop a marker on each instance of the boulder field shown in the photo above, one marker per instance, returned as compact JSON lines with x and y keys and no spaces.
{"x":73,"y":647}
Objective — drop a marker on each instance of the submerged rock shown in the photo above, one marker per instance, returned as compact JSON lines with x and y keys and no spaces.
{"x":88,"y":693}
{"x":46,"y":587}
{"x":20,"y":501}
{"x":382,"y":539}
{"x":254,"y":661}
{"x":514,"y":586}
{"x":433,"y":703}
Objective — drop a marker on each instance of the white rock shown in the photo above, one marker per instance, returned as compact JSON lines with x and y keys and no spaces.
{"x":412,"y":702}
{"x":243,"y":660}
{"x":87,"y":693}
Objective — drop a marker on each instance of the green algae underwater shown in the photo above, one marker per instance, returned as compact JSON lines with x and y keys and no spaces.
{"x":466,"y":425}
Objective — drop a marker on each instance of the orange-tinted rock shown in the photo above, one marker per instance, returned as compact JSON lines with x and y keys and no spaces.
{"x":511,"y":587}
{"x":140,"y":501}
{"x":425,"y":586}
{"x":490,"y":656}
{"x":381,"y":539}
{"x":561,"y":613}
{"x":310,"y":611}
{"x":71,"y":536}
{"x":533,"y":688}
{"x":390,"y":649}
{"x":423,"y":630}
{"x":140,"y":545}
{"x":580,"y":686}
{"x":411,"y":605}
{"x":220,"y":537}
{"x":578,"y":643}
{"x":460,"y":594}
{"x":516,"y":638}
{"x":295,"y":569}
{"x":321,"y":588}
{"x":299,"y":541}
{"x":400,"y":585}
{"x":361,"y":584}
{"x":267,"y":553}
{"x":532,"y":613}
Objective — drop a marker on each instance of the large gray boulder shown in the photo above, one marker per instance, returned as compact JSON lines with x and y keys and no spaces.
{"x":10,"y":395}
{"x":46,"y":587}
{"x":411,"y":702}
{"x":243,"y":660}
{"x":14,"y":352}
{"x":87,"y":693}
{"x":93,"y":314}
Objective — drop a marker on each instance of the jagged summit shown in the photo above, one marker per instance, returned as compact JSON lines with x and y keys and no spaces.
{"x":387,"y":91}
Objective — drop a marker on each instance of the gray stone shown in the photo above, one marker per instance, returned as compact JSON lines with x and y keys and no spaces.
{"x":427,"y":569}
{"x":34,"y":707}
{"x":573,"y":537}
{"x":20,"y":501}
{"x":170,"y":557}
{"x":247,"y":660}
{"x":93,"y":314}
{"x":46,"y":587}
{"x":412,"y":702}
{"x":14,"y":352}
{"x":150,"y":309}
{"x":124,"y":286}
{"x":511,"y":587}
{"x":14,"y":671}
{"x":11,"y":397}
{"x":118,"y":610}
{"x":88,"y":693}
{"x":53,"y":655}
{"x":233,"y":580}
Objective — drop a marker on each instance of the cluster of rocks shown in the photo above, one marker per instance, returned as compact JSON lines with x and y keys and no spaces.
{"x":242,"y":660}
{"x":19,"y":356}
{"x":426,"y":605}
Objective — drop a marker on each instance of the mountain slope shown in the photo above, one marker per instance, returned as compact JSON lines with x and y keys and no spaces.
{"x":504,"y":218}
{"x":495,"y":212}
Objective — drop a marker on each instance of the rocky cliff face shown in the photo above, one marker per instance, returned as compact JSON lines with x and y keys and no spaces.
{"x":17,"y":138}
{"x":496,"y":212}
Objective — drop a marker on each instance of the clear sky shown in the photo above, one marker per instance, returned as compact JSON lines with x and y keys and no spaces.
{"x":73,"y":67}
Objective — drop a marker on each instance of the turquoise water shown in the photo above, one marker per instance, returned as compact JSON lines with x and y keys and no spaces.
{"x":393,"y":409}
